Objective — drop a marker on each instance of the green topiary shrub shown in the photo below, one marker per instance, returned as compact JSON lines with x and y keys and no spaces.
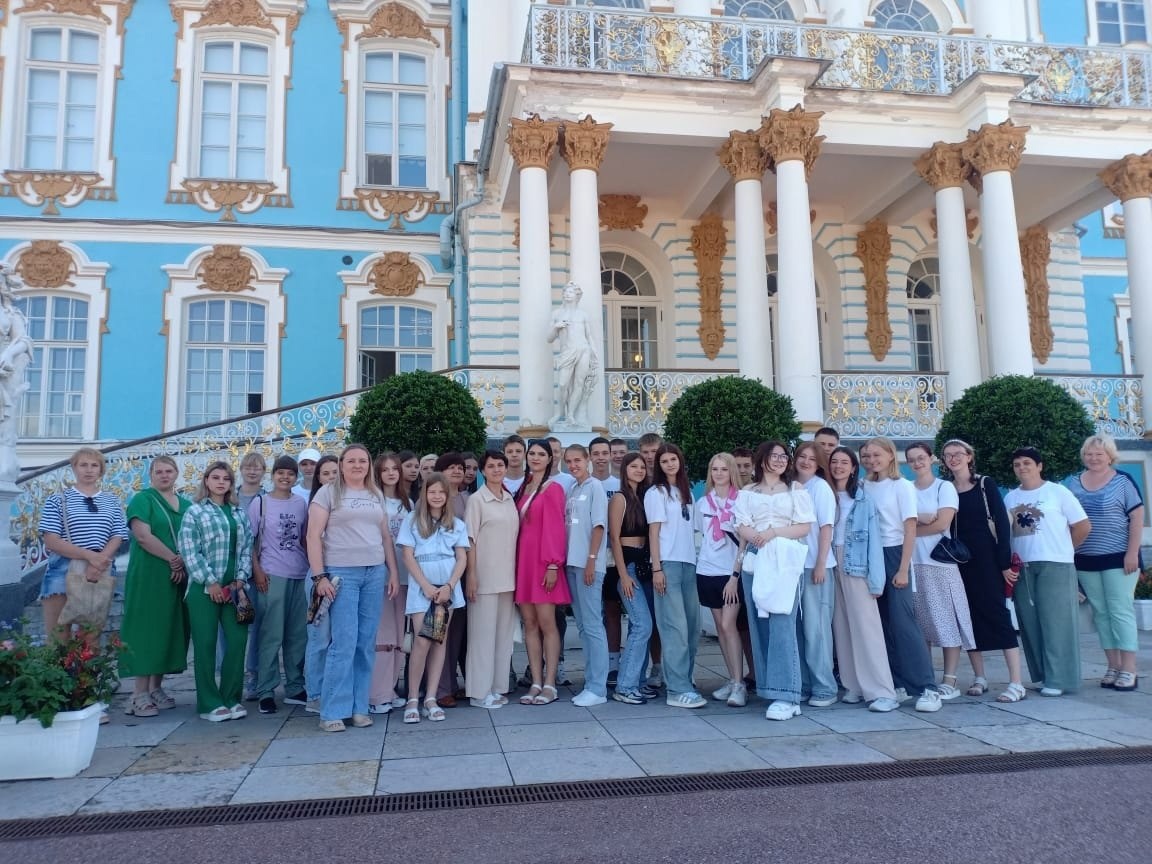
{"x":418,"y":411}
{"x":720,"y":415}
{"x":1014,"y":411}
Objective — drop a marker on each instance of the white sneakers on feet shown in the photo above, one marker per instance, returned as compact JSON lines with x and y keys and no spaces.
{"x":929,"y":701}
{"x":780,"y":710}
{"x":691,"y":699}
{"x":586,"y":699}
{"x":738,"y":698}
{"x":816,"y":702}
{"x":851,"y":697}
{"x":722,"y":694}
{"x":902,"y":695}
{"x":883,"y":705}
{"x":378,"y":708}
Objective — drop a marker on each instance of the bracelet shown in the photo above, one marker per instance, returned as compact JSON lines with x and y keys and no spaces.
{"x":324,"y":575}
{"x":591,"y":557}
{"x":657,"y":569}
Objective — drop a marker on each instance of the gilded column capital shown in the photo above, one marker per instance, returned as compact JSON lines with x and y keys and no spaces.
{"x":585,"y":142}
{"x":995,"y":147}
{"x":1130,"y":177}
{"x":792,"y":135}
{"x":533,"y":141}
{"x":743,"y":156}
{"x":943,"y":166}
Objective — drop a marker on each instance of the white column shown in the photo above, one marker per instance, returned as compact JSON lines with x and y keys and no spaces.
{"x":753,"y":347}
{"x":1009,"y":345}
{"x":999,"y":19}
{"x":585,"y":272}
{"x":961,"y":336}
{"x":1138,"y":246}
{"x":535,"y":300}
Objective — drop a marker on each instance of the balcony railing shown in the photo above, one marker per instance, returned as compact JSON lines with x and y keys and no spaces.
{"x":1115,"y":403}
{"x":892,"y":404}
{"x":639,"y":399}
{"x":609,"y":40}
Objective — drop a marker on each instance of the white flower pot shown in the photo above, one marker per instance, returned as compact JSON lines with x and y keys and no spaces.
{"x":1143,"y":614}
{"x":64,"y":749}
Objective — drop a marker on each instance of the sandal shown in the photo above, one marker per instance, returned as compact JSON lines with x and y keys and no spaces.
{"x":433,"y":710}
{"x":1125,"y":681}
{"x":412,"y":711}
{"x":162,"y":700}
{"x":530,"y":697}
{"x":1013,"y":693}
{"x":544,"y":699}
{"x":978,"y":687}
{"x":141,"y":705}
{"x":946,"y":690}
{"x":1109,"y":679}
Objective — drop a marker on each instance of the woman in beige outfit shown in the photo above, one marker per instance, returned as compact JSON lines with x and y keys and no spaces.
{"x":490,"y":582}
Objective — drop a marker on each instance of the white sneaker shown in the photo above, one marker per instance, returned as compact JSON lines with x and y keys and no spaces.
{"x":902,"y":695}
{"x":852,"y":698}
{"x":929,"y":701}
{"x":691,"y":699}
{"x":378,"y":708}
{"x":398,"y":702}
{"x":586,"y":699}
{"x":780,"y":710}
{"x":883,"y":705}
{"x":722,"y":693}
{"x":739,"y":696}
{"x":822,"y":703}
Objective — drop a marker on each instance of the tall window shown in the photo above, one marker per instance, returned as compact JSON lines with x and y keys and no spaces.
{"x":394,"y":339}
{"x":395,"y":120}
{"x":54,"y":402}
{"x":234,"y":111}
{"x":224,"y":358}
{"x":60,"y":92}
{"x":1121,"y":21}
{"x":923,"y":291}
{"x":904,"y":15}
{"x":632,"y":312}
{"x":779,"y":10}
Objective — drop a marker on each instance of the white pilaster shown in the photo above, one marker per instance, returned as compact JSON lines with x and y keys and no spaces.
{"x":753,"y":347}
{"x":1138,"y":245}
{"x":1009,"y":345}
{"x":999,"y":19}
{"x":957,"y":298}
{"x":584,"y":270}
{"x":535,"y":300}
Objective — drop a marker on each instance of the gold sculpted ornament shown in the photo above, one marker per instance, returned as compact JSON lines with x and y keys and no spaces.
{"x":238,"y":13}
{"x":709,"y":245}
{"x":395,"y":275}
{"x":622,"y":212}
{"x":397,"y":22}
{"x":88,"y":8}
{"x":45,"y":264}
{"x":874,"y":249}
{"x":533,"y":141}
{"x":226,"y":270}
{"x":1035,"y":252}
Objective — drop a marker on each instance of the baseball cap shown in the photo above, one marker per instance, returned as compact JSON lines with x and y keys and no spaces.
{"x":309,"y":453}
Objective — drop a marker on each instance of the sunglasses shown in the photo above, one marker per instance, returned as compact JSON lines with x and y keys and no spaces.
{"x":684,"y":512}
{"x":90,"y":503}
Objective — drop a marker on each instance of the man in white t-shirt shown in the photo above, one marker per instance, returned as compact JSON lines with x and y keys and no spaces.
{"x":600,"y":454}
{"x":307,"y":460}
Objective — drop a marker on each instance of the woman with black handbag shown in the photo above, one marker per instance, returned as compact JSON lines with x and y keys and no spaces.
{"x":940,"y":602}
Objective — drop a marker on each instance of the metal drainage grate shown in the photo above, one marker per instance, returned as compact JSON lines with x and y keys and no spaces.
{"x":67,"y":826}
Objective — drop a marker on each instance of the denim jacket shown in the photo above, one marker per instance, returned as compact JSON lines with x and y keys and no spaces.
{"x":863,"y":551}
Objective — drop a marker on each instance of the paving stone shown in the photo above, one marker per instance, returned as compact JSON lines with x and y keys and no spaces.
{"x":112,"y":761}
{"x":863,"y":720}
{"x":577,"y":763}
{"x":660,"y":730}
{"x":1035,"y":737}
{"x":198,"y":758}
{"x":613,"y":710}
{"x":37,"y":799}
{"x":454,"y":718}
{"x":925,"y":744}
{"x":298,"y":782}
{"x":433,"y":773}
{"x":808,"y":750}
{"x":1131,"y":732}
{"x":694,"y":757}
{"x":1048,"y":709}
{"x":254,"y":727}
{"x":969,"y":713}
{"x":145,"y":732}
{"x":441,"y":742}
{"x":166,"y":791}
{"x":553,"y":736}
{"x":347,"y":746}
{"x":755,"y":725}
{"x":515,"y":714}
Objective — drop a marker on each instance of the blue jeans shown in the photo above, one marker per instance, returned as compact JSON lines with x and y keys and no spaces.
{"x":634,"y":656}
{"x":678,"y":617}
{"x":814,"y":636}
{"x":908,"y":653}
{"x":588,"y":608}
{"x":355,"y":614}
{"x":775,"y":652}
{"x":316,"y":651}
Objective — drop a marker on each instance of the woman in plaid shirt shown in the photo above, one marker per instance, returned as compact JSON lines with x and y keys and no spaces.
{"x":216,"y":545}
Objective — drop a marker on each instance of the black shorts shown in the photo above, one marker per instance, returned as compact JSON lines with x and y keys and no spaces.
{"x":610,"y":593}
{"x":711,"y":590}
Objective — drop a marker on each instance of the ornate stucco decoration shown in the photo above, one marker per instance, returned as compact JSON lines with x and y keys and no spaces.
{"x":971,"y":221}
{"x":46,"y":264}
{"x":87,"y":8}
{"x":874,"y":249}
{"x":395,"y":275}
{"x":792,"y":134}
{"x":532,"y":142}
{"x":709,"y":245}
{"x":399,"y":205}
{"x":398,"y":22}
{"x":585,"y":142}
{"x":516,"y":234}
{"x":1130,"y":177}
{"x":226,"y":270}
{"x":995,"y":147}
{"x":232,"y":196}
{"x":238,"y":13}
{"x":1035,"y":252}
{"x":622,"y":212}
{"x":772,"y":217}
{"x":743,"y":155}
{"x":943,"y":166}
{"x":54,"y":189}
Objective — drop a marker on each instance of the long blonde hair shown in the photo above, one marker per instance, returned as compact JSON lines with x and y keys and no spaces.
{"x":337,"y":483}
{"x":202,"y":490}
{"x":887,"y":445}
{"x":426,"y":526}
{"x":733,"y":472}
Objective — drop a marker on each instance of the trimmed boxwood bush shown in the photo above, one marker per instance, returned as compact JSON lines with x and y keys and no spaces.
{"x":1014,"y":411}
{"x":722,"y":414}
{"x":418,"y":411}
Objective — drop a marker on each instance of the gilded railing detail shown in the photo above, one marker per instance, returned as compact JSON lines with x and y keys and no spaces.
{"x":639,"y":399}
{"x":637,"y":42}
{"x":896,"y":405}
{"x":489,"y":388}
{"x":1115,"y":404}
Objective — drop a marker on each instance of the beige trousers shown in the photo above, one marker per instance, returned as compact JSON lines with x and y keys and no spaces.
{"x":859,"y":638}
{"x":491,"y":623}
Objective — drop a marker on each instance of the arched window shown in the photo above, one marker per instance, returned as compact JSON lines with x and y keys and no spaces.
{"x":224,"y":360}
{"x":773,"y":10}
{"x":923,"y":291}
{"x":904,"y":15}
{"x":631,"y":312}
{"x":393,"y":338}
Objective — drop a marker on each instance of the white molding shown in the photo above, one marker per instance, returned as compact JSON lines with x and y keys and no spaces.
{"x":1116,"y":267}
{"x":87,"y":283}
{"x":946,"y":13}
{"x":184,"y":287}
{"x":1123,"y":343}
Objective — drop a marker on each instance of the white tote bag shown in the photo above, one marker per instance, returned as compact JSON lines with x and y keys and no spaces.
{"x":776,"y":577}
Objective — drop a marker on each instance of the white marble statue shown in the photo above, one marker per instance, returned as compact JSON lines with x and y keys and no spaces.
{"x":576,"y":362}
{"x":15,"y":355}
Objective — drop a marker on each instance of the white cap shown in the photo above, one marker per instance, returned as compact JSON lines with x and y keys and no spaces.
{"x":308,"y":453}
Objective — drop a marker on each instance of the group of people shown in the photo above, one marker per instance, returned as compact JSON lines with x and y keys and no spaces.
{"x":364,"y":585}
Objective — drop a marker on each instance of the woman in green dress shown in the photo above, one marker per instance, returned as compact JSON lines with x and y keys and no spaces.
{"x":155,"y":626}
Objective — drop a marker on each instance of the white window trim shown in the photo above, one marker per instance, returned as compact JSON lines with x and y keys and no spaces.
{"x":1094,"y":23}
{"x":184,"y":183}
{"x":87,"y":283}
{"x":947,"y":14}
{"x":27,"y":184}
{"x":390,"y":202}
{"x":431,"y":294}
{"x":186,"y":286}
{"x":1123,"y":345}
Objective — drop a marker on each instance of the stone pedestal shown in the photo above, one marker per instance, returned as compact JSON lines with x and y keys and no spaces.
{"x":9,"y":552}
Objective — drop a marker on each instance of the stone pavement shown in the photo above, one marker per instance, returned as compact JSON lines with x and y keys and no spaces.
{"x":177,"y":760}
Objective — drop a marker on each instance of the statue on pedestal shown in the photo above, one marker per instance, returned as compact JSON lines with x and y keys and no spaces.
{"x":576,"y":362}
{"x":15,"y":355}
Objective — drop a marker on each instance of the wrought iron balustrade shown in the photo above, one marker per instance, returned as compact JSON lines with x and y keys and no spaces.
{"x":636,"y":42}
{"x":892,"y":404}
{"x":1114,"y":402}
{"x":639,"y":399}
{"x":491,"y":387}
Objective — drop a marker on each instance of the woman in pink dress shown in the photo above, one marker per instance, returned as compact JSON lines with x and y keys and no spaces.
{"x":541,"y":553}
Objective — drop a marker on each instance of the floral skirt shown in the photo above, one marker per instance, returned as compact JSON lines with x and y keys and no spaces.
{"x":941,"y":606}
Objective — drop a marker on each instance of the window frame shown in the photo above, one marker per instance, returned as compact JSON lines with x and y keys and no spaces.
{"x":944,"y":18}
{"x":395,"y":90}
{"x":226,"y":347}
{"x":932,"y":307}
{"x":1094,"y":26}
{"x":397,"y":304}
{"x":235,"y":79}
{"x":64,"y":69}
{"x":777,"y":4}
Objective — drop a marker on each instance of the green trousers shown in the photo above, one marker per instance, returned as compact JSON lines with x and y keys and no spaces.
{"x":283,"y":611}
{"x":1046,"y":608}
{"x":207,"y":620}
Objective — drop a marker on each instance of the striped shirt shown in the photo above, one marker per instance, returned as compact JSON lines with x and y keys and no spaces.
{"x":86,"y":529}
{"x":1108,"y":508}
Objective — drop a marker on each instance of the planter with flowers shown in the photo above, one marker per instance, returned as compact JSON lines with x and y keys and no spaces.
{"x":51,"y":698}
{"x":1143,"y":601}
